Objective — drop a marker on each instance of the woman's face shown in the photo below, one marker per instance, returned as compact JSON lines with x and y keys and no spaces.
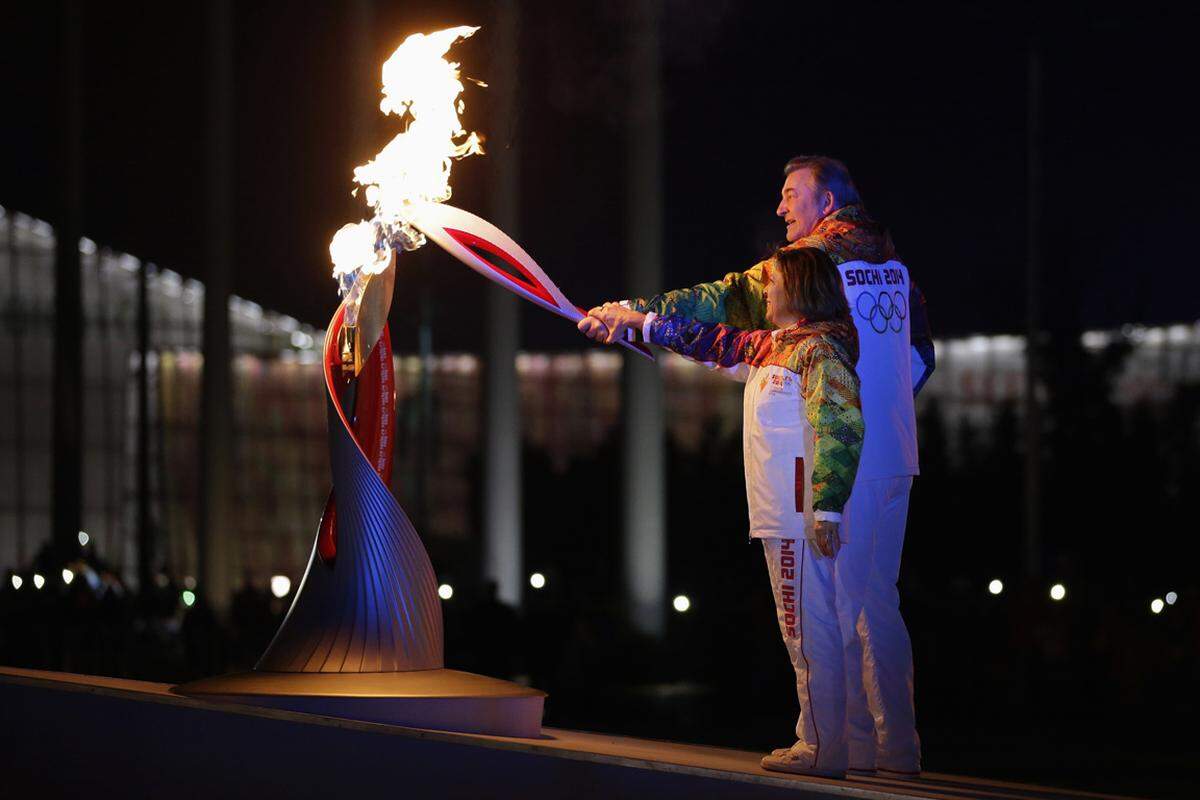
{"x":780,"y":310}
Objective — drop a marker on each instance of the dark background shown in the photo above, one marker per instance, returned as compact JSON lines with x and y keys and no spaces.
{"x":929,"y":106}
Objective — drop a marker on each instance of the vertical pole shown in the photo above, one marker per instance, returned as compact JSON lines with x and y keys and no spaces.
{"x":644,"y":431}
{"x":215,"y":430}
{"x":364,"y":81}
{"x":16,"y":310}
{"x":145,"y":531}
{"x":425,"y":433}
{"x":1033,"y":278}
{"x":110,"y":432}
{"x":502,"y":552}
{"x":68,"y":298}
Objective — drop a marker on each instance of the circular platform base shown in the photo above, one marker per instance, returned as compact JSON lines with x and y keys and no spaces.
{"x":440,"y":699}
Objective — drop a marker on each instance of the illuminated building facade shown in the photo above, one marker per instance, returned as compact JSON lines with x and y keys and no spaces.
{"x":570,"y":407}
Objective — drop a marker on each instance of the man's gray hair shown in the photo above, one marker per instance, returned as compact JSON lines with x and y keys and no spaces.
{"x":830,"y":174}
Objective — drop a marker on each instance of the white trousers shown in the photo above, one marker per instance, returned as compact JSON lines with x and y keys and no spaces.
{"x":805,"y":605}
{"x":841,"y":624}
{"x":880,"y":718}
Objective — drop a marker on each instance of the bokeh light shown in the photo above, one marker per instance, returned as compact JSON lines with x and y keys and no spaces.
{"x":280,"y":585}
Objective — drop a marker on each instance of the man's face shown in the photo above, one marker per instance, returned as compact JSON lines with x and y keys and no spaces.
{"x":802,"y":205}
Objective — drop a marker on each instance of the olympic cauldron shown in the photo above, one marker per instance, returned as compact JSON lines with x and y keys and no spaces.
{"x":363,"y":637}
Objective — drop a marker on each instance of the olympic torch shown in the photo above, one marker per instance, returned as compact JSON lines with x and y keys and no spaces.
{"x":489,"y":251}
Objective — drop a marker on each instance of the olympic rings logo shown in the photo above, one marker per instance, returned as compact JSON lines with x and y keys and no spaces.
{"x":887,"y":310}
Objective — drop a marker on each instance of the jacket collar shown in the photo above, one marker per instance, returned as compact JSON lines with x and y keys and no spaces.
{"x":849,"y":234}
{"x":840,"y":331}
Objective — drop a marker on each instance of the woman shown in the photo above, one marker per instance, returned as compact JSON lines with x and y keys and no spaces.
{"x":802,"y":437}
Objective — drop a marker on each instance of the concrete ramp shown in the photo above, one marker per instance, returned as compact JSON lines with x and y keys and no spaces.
{"x":64,"y":735}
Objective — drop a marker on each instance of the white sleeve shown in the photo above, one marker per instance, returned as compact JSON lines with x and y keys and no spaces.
{"x":650,"y":317}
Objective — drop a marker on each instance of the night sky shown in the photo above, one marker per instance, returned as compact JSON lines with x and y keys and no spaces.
{"x":927,"y":106}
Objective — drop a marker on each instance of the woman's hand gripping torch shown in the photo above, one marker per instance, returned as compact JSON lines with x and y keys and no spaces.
{"x":489,"y":251}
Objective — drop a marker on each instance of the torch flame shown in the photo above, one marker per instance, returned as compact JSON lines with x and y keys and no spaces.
{"x":422,"y":88}
{"x":353,"y":247}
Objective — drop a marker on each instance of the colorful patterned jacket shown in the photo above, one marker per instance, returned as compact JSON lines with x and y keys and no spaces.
{"x":847,"y":234}
{"x":803,"y":424}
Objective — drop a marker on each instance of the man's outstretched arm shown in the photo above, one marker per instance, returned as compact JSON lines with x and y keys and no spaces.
{"x":737,"y":300}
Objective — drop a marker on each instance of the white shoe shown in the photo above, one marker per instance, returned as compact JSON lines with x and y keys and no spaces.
{"x":784,"y":759}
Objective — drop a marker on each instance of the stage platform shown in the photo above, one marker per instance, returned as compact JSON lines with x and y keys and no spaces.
{"x":66,"y":735}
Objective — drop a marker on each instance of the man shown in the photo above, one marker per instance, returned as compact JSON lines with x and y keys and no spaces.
{"x":822,"y":209}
